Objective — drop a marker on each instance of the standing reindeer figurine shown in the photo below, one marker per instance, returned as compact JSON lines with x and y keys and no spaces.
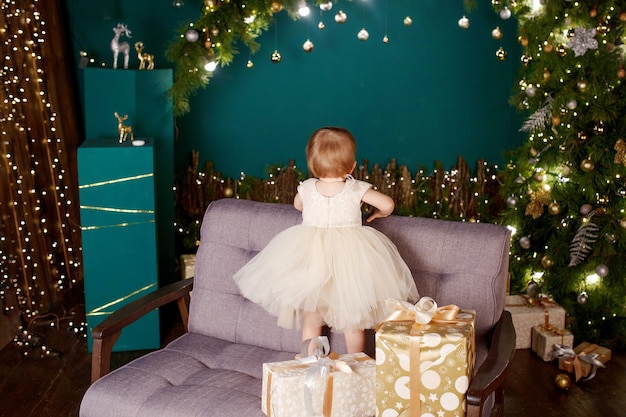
{"x":146,"y":61}
{"x":124,"y":131}
{"x":117,"y":46}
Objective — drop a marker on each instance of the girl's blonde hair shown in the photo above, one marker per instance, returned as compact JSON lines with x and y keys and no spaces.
{"x":330,"y":152}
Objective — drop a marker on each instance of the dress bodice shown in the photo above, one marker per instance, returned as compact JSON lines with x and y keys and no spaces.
{"x":341,"y":210}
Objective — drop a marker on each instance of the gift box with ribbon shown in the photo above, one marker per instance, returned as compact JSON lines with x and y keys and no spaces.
{"x":424,"y":360}
{"x":528,"y":312}
{"x":546,"y":336}
{"x":584,"y":360}
{"x":323,"y":384}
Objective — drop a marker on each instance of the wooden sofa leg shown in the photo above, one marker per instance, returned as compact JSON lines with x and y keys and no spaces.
{"x":101,"y":356}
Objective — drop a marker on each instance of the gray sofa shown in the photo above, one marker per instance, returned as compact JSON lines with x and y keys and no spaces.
{"x":215,"y":368}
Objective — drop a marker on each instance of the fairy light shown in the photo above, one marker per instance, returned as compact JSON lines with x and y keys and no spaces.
{"x":38,"y":243}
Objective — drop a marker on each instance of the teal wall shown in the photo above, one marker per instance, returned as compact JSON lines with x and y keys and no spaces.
{"x":434,"y":92}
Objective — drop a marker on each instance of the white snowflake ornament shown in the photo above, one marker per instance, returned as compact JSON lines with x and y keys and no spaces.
{"x":583,"y":40}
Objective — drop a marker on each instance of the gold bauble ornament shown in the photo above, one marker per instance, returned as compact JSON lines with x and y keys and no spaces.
{"x":276,"y":57}
{"x":208,"y":44}
{"x":599,"y":129}
{"x":250,"y":64}
{"x":582,"y":85}
{"x":321,"y":26}
{"x":603,"y":28}
{"x":561,"y":50}
{"x":525,"y":59}
{"x":539,"y":176}
{"x":622,"y":223}
{"x":228,"y":192}
{"x":556,"y":120}
{"x":408,"y":21}
{"x":547,"y":262}
{"x":307,"y":45}
{"x":622,"y":16}
{"x":547,"y":48}
{"x":215,"y":31}
{"x":385,"y":39}
{"x":582,"y":136}
{"x":601,"y":211}
{"x":501,"y":54}
{"x":554,"y":208}
{"x":209,"y":3}
{"x":276,"y":6}
{"x":593,"y":13}
{"x":546,"y":75}
{"x":341,"y":17}
{"x":621,"y":73}
{"x":587,"y":165}
{"x":523,"y":40}
{"x":563,"y":381}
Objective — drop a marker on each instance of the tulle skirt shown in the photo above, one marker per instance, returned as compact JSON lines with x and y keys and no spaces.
{"x":344,"y":273}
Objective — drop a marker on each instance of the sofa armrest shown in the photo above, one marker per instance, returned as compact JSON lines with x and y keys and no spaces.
{"x":106,"y":333}
{"x":491,"y":374}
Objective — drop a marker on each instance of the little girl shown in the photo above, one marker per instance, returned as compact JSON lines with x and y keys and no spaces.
{"x":330,"y":269}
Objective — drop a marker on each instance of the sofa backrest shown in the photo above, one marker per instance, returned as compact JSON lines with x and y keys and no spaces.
{"x":453,"y":262}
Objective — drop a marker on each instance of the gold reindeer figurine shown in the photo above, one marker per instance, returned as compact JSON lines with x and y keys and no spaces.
{"x":124,"y":131}
{"x":146,"y":61}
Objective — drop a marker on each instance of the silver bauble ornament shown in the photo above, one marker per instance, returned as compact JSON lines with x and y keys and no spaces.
{"x":505,"y":13}
{"x":341,"y":17}
{"x":524,"y":242}
{"x":192,"y":35}
{"x":363,"y":35}
{"x":496,"y":33}
{"x":572,"y":104}
{"x":408,"y":21}
{"x":532,"y":289}
{"x":511,"y":201}
{"x":582,"y":298}
{"x":585,"y":209}
{"x":531,"y":91}
{"x":602,"y":270}
{"x":326,"y":6}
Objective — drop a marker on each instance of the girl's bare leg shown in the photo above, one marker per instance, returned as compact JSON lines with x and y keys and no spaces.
{"x":312,"y":326}
{"x":355,"y":340}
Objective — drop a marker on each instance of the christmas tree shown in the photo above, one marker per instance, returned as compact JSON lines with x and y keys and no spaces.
{"x":565,"y":187}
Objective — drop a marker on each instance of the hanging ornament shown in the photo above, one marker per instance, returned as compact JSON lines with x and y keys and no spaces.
{"x":587,"y":165}
{"x":496,"y":33}
{"x":622,"y":17}
{"x":215,"y":31}
{"x":277,"y":6}
{"x":501,"y":54}
{"x":585,"y":209}
{"x":546,"y":75}
{"x":464,"y":22}
{"x":524,"y":242}
{"x":250,"y":64}
{"x":582,"y":137}
{"x":495,"y":2}
{"x":556,"y":120}
{"x":320,"y":25}
{"x":583,"y":40}
{"x":563,"y":381}
{"x":531,"y":91}
{"x":582,"y":298}
{"x":572,"y":104}
{"x":581,"y":244}
{"x":363,"y":35}
{"x":276,"y":57}
{"x":511,"y":201}
{"x":539,"y":176}
{"x":547,"y":48}
{"x":547,"y":262}
{"x":593,"y":13}
{"x":208,"y":44}
{"x":561,"y":50}
{"x":525,"y":59}
{"x":603,"y":28}
{"x":192,"y":35}
{"x":538,"y":199}
{"x":620,"y":152}
{"x":385,"y":39}
{"x":582,"y":85}
{"x":622,"y":223}
{"x":532,"y":289}
{"x":602,"y":270}
{"x":209,"y":3}
{"x":408,"y":21}
{"x":523,"y":40}
{"x":178,"y":3}
{"x":599,"y":129}
{"x":505,"y":13}
{"x":554,"y":208}
{"x":621,"y":73}
{"x":228,"y":192}
{"x":341,"y":17}
{"x":326,"y":6}
{"x":307,"y":45}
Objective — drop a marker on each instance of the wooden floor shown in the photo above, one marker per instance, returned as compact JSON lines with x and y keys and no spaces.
{"x":54,"y":386}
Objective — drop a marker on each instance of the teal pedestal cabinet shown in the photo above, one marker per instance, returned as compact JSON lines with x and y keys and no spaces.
{"x":135,"y":222}
{"x":117,"y":212}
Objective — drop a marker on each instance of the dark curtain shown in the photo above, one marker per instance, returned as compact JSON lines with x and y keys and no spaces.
{"x":40,"y":248}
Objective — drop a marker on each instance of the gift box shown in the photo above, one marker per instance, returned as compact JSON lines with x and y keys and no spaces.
{"x":527,"y":313}
{"x":424,"y":369}
{"x":584,"y":359}
{"x":545,"y":337}
{"x":321,"y":388}
{"x":188,"y":266}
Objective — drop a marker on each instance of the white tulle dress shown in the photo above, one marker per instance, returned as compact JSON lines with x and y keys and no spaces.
{"x":330,"y":263}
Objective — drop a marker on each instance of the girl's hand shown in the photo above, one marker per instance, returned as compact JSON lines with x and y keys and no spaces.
{"x":383,"y":204}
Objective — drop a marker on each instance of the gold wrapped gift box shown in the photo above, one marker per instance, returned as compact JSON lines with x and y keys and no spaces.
{"x":424,"y":369}
{"x":336,"y":394}
{"x":545,"y":337}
